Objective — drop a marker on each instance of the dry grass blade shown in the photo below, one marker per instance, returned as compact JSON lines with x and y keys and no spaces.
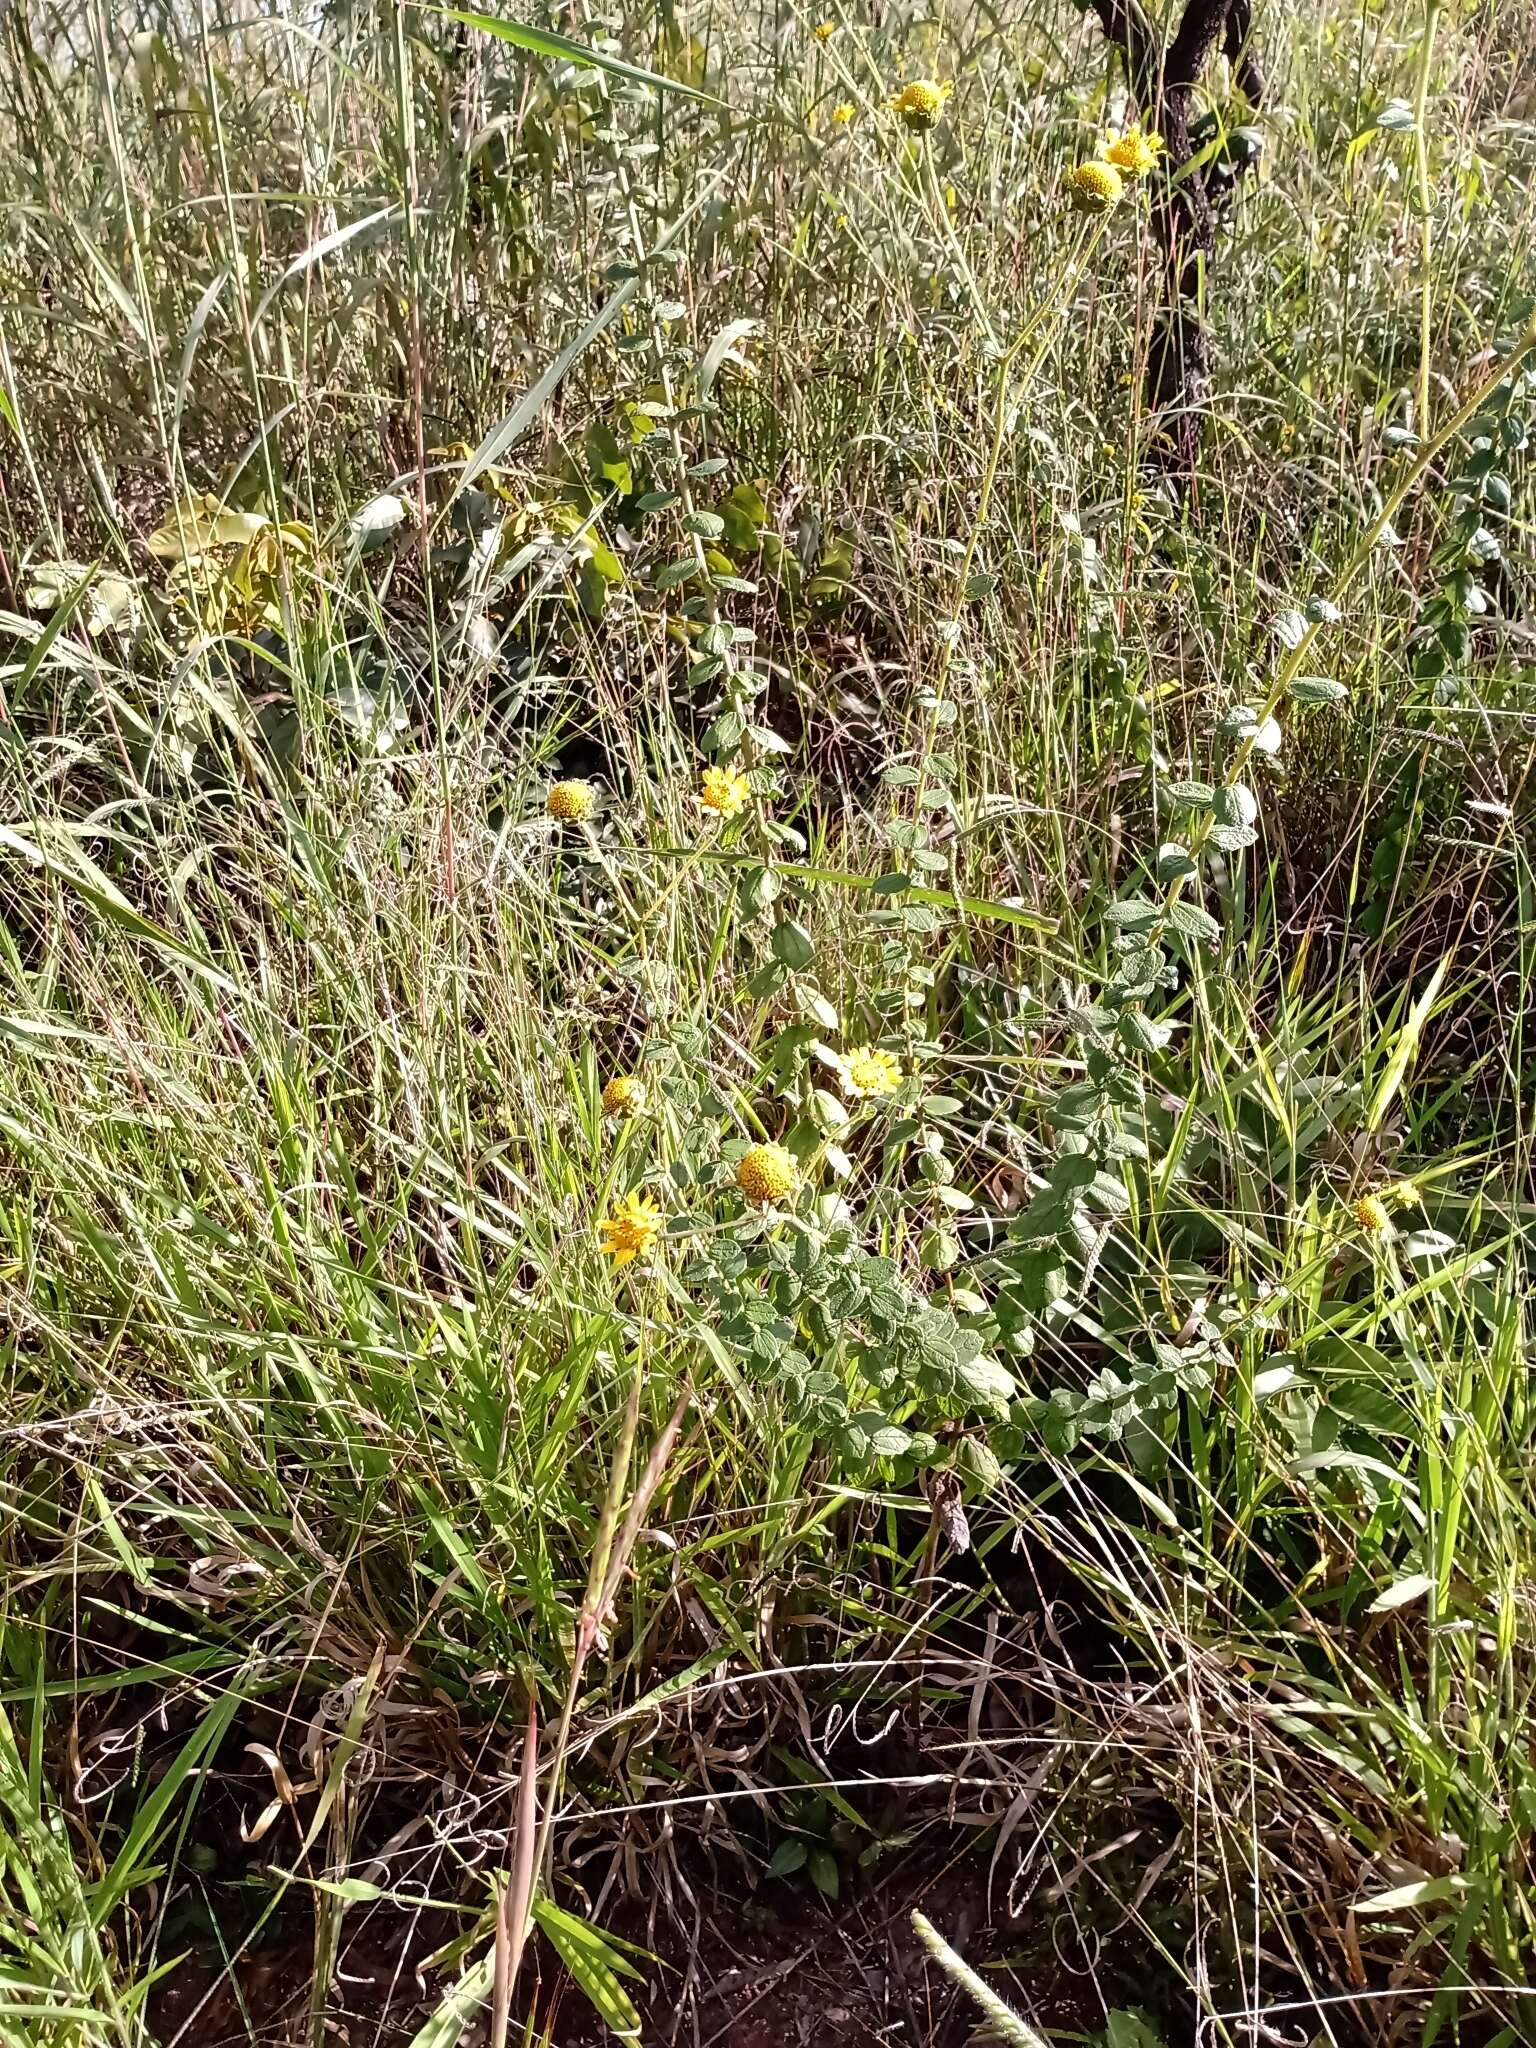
{"x":515,"y":1905}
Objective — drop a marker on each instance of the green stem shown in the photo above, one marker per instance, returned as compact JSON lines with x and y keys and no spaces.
{"x":1424,"y":206}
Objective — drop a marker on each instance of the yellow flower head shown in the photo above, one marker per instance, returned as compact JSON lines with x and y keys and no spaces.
{"x":1371,"y":1214}
{"x":632,"y":1229}
{"x":824,"y":31}
{"x":768,"y":1173}
{"x":723,"y":791}
{"x":868,"y":1071}
{"x":1403,"y":1195}
{"x":570,"y":802}
{"x":1134,"y":153}
{"x":921,"y":101}
{"x":844,"y":112}
{"x":1097,"y":186}
{"x":625,"y":1095}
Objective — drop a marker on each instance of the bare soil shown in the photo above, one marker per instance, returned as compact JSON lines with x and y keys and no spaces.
{"x":761,"y":1969}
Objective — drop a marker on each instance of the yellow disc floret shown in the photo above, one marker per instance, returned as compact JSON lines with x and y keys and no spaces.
{"x":869,"y":1071}
{"x":921,"y":101}
{"x":844,"y":112}
{"x":571,"y":802}
{"x":632,"y":1229}
{"x":1097,"y":186}
{"x":1371,"y":1214}
{"x":625,"y":1095}
{"x":768,"y":1173}
{"x":723,"y":791}
{"x":1134,"y":153}
{"x":824,"y":31}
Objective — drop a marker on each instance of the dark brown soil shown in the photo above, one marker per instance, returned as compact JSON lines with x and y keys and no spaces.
{"x":754,"y":1970}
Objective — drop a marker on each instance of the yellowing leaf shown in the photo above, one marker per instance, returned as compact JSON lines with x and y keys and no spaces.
{"x":200,"y":524}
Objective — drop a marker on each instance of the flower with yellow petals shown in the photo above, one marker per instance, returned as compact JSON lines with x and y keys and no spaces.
{"x":1096,"y":186}
{"x":625,"y":1095}
{"x":723,"y":791}
{"x":1371,"y":1213}
{"x":632,"y":1229}
{"x":571,"y":802}
{"x":868,"y":1071}
{"x":768,"y":1173}
{"x":844,"y":112}
{"x":1134,"y":153}
{"x":1403,"y":1195}
{"x":920,"y":102}
{"x":824,"y":31}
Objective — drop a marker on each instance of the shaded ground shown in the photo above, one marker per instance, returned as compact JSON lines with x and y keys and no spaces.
{"x":755,"y":1971}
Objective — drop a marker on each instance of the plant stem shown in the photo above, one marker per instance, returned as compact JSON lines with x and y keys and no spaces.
{"x":1424,"y":207}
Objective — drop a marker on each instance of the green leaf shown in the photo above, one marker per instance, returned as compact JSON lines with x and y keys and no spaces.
{"x":1402,"y":1592}
{"x":544,"y":42}
{"x":594,"y":1963}
{"x":789,"y":1856}
{"x":459,"y":2007}
{"x":822,"y":1865}
{"x":792,"y":944}
{"x":1134,"y":914}
{"x":1317,"y":690}
{"x":939,"y":1251}
{"x":1193,"y":921}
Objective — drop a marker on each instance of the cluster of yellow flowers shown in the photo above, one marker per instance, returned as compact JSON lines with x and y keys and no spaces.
{"x":1373,"y":1213}
{"x":1100,"y":183}
{"x":722,"y":792}
{"x":765,"y":1174}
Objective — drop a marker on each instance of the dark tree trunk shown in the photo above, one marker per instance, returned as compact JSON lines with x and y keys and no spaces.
{"x":1163,"y":81}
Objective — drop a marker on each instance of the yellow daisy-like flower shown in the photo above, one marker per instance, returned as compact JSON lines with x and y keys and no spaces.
{"x":824,"y":31}
{"x":570,"y":802}
{"x":1372,"y":1215}
{"x":625,"y":1095}
{"x":1134,"y":153}
{"x":844,"y":112}
{"x":723,"y":791}
{"x":868,"y":1071}
{"x":1403,"y":1195}
{"x":632,"y":1229}
{"x":768,"y":1173}
{"x":1097,"y":186}
{"x":921,"y":101}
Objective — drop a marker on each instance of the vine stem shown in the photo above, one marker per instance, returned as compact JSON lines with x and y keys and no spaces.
{"x":1413,"y":476}
{"x":1424,"y":205}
